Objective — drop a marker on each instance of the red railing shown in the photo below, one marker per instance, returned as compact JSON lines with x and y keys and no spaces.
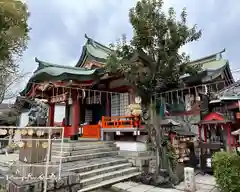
{"x":120,"y":122}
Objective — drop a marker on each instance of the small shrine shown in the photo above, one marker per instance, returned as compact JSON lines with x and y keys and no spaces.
{"x":180,"y":138}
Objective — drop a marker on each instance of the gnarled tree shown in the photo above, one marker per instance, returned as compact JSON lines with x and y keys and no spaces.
{"x":13,"y":42}
{"x":157,"y":36}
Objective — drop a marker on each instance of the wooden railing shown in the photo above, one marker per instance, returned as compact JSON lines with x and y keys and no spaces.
{"x":119,"y":122}
{"x":94,"y":131}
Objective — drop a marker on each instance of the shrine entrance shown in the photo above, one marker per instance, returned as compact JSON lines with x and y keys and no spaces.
{"x":214,"y":135}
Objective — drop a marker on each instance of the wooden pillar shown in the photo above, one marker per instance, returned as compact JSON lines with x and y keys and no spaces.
{"x":107,"y":105}
{"x":67,"y":113}
{"x":200,"y":132}
{"x":51,"y":114}
{"x":75,"y":123}
{"x":205,"y":133}
{"x":131,"y":96}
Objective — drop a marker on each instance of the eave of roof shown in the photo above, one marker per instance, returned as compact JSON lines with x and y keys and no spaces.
{"x":52,"y":72}
{"x":231,"y":92}
{"x":210,"y":71}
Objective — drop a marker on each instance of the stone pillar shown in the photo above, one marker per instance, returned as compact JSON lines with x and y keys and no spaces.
{"x":51,"y":114}
{"x":109,"y":136}
{"x":75,"y":123}
{"x":189,"y":179}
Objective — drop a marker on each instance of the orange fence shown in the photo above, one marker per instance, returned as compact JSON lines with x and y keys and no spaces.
{"x":94,"y":131}
{"x":119,"y":122}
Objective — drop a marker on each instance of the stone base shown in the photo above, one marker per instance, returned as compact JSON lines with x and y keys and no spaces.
{"x":68,"y":182}
{"x":24,"y":169}
{"x":36,"y":153}
{"x":139,"y":159}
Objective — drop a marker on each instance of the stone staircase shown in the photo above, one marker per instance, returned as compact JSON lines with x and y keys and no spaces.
{"x":96,"y":163}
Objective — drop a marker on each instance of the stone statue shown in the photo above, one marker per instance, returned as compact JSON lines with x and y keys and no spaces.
{"x":37,"y":115}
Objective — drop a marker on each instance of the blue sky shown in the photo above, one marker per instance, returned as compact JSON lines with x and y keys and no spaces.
{"x":58,"y":27}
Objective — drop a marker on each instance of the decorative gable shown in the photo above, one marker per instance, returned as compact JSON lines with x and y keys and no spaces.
{"x":92,"y":65}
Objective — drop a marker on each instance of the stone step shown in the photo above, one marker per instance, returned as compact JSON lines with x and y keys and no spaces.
{"x":80,"y":167}
{"x":109,"y":182}
{"x":81,"y":143}
{"x":103,"y":170}
{"x":83,"y":147}
{"x":83,"y":151}
{"x":106,"y":176}
{"x":84,"y":156}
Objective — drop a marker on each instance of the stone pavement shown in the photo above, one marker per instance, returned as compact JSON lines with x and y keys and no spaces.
{"x":205,"y":183}
{"x":6,"y":160}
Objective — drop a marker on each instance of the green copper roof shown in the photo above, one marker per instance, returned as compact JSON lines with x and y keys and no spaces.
{"x":212,"y":67}
{"x":52,"y":72}
{"x":57,"y":70}
{"x":93,"y":50}
{"x":232,"y":92}
{"x":212,"y":64}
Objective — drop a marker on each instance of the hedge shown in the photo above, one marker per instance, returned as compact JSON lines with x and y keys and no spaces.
{"x":226,"y":167}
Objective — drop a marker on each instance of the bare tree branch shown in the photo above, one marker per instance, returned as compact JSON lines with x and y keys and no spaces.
{"x":9,"y":84}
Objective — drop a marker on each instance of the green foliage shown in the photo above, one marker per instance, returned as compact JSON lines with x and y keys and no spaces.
{"x":2,"y":188}
{"x":159,"y":37}
{"x":13,"y":31}
{"x":171,"y":155}
{"x":227,"y":171}
{"x":13,"y":42}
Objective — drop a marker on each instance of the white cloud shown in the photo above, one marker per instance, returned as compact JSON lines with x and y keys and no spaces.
{"x":65,"y":23}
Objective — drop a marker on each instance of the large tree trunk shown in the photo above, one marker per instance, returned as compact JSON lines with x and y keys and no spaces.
{"x":156,"y":137}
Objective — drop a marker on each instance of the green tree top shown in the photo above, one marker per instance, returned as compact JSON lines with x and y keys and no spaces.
{"x":158,"y":37}
{"x":13,"y":32}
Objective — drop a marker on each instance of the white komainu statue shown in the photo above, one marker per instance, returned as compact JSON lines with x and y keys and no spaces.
{"x":134,"y":109}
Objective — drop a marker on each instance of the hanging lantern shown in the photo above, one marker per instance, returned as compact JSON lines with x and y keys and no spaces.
{"x":70,"y":101}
